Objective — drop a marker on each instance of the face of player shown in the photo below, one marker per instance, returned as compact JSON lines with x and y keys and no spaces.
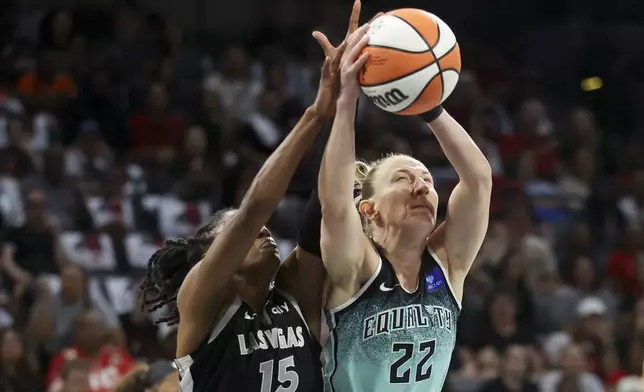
{"x":404,"y":195}
{"x":263,"y":255}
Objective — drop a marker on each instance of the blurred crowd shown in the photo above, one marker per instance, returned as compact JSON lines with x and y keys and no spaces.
{"x":120,"y":128}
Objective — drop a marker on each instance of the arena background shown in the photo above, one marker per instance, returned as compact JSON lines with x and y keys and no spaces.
{"x":125,"y":123}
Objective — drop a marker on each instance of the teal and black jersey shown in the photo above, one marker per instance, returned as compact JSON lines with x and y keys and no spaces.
{"x":386,"y":339}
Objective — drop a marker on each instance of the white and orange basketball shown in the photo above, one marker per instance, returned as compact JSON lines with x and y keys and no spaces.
{"x":414,"y":62}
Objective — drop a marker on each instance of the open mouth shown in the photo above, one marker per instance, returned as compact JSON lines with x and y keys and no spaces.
{"x":269,"y":244}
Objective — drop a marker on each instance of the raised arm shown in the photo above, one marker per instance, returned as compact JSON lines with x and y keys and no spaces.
{"x":202,"y":292}
{"x":468,"y":208}
{"x":342,"y":240}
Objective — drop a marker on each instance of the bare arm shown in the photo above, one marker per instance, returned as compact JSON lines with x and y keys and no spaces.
{"x":10,"y":266}
{"x":41,"y":324}
{"x":468,"y":208}
{"x":341,"y":237}
{"x":202,"y":290}
{"x":342,"y":240}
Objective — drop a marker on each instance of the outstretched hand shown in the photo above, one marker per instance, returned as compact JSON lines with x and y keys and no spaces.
{"x":354,"y":20}
{"x":324,"y":105}
{"x":330,"y":79}
{"x":353,"y":60}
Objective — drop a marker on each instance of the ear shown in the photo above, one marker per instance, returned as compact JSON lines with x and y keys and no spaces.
{"x":367,"y":209}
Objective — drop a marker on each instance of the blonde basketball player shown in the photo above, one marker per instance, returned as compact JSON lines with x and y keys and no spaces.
{"x":396,"y":283}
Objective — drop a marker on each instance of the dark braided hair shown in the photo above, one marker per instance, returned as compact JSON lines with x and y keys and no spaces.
{"x":169,"y":266}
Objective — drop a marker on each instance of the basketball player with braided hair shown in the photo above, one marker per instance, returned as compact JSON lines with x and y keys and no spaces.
{"x":396,"y":279}
{"x":245,"y":323}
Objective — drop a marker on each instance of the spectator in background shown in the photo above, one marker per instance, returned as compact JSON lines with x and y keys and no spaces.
{"x":513,"y":373}
{"x":18,"y":367}
{"x":54,"y":313}
{"x":75,"y":376}
{"x":573,"y":376}
{"x":194,"y":171}
{"x":623,"y":262}
{"x":107,"y":363}
{"x":63,"y":200}
{"x":501,"y":328}
{"x":155,"y":129}
{"x":33,"y":248}
{"x":100,"y":99}
{"x":631,"y":205}
{"x":89,"y":157}
{"x":47,"y":88}
{"x":232,"y":84}
{"x":57,"y":30}
{"x":160,"y":376}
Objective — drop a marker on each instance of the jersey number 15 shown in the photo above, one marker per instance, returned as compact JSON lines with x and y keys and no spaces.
{"x":286,"y":375}
{"x":400,"y":371}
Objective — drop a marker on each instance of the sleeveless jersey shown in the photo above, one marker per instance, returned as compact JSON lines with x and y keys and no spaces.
{"x":387,"y":339}
{"x":268,"y":352}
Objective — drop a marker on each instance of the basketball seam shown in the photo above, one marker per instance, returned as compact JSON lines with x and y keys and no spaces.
{"x":419,"y":94}
{"x":400,"y":77}
{"x":418,"y":32}
{"x":398,"y":49}
{"x":438,"y":39}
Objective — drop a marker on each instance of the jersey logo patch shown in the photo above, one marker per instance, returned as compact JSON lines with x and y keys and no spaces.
{"x":434,"y":279}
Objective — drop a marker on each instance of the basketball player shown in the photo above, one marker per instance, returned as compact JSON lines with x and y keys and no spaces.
{"x":396,"y":283}
{"x":236,"y":332}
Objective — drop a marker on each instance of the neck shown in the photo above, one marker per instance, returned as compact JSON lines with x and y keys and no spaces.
{"x":404,"y":250}
{"x":252,"y":290}
{"x":403,"y":245}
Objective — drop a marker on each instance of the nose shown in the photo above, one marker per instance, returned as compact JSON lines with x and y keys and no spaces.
{"x":421,"y":188}
{"x":264,"y":233}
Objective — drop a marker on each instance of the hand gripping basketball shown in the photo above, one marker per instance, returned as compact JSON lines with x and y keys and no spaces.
{"x":352,"y":62}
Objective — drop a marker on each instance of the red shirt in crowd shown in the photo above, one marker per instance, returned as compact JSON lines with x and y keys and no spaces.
{"x":146,"y":131}
{"x":622,"y":268}
{"x":106,"y":369}
{"x":545,"y":154}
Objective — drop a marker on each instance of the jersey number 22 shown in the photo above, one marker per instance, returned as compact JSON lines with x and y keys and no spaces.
{"x":400,"y":371}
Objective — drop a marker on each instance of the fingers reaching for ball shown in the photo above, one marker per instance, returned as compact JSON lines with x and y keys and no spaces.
{"x":352,"y":62}
{"x":357,"y":41}
{"x":324,"y":43}
{"x":354,"y":20}
{"x":337,"y":59}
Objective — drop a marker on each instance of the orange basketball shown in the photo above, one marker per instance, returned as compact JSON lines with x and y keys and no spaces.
{"x":414,"y":62}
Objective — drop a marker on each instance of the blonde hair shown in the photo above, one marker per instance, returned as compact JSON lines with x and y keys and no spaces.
{"x":365,"y":173}
{"x":362,"y":171}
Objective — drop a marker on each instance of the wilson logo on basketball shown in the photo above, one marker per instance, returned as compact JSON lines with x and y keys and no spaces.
{"x":390,"y":98}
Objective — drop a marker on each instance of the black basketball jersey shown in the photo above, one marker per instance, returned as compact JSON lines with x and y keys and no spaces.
{"x":249,"y":352}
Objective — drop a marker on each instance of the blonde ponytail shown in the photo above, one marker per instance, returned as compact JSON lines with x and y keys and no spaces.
{"x":361,"y":173}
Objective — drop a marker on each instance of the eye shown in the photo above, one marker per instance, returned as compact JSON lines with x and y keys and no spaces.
{"x":401,"y":177}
